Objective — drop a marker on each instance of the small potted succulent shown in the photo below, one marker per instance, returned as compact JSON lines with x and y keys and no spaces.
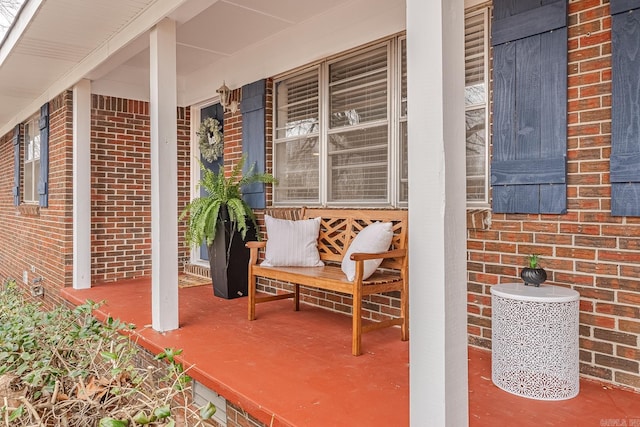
{"x":533,"y":274}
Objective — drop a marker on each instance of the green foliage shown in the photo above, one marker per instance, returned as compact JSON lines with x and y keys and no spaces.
{"x":64,"y":367}
{"x":533,"y":260}
{"x":204,"y":212}
{"x":175,"y":369}
{"x":207,"y":411}
{"x":110,"y":422}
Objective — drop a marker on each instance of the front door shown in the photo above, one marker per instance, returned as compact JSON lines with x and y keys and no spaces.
{"x":217,"y":112}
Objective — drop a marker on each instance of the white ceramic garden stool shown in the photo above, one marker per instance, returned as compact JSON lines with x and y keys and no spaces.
{"x":535,"y":341}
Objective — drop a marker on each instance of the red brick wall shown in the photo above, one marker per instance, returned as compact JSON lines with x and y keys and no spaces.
{"x":121,"y":187}
{"x":37,"y":240}
{"x":232,"y":136}
{"x":587,"y":249}
{"x":184,"y":179}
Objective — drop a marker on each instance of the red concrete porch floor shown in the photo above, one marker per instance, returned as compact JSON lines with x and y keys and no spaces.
{"x":296,"y":369}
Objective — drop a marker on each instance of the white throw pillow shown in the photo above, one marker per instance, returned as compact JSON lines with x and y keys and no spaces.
{"x":292,"y":243}
{"x":374,"y":238}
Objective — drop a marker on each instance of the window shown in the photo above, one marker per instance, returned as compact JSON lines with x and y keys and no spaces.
{"x":476,"y":106}
{"x":31,"y":159}
{"x":31,"y":163}
{"x":340,"y":130}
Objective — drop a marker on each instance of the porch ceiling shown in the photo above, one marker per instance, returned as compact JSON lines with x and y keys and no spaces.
{"x":55,"y":43}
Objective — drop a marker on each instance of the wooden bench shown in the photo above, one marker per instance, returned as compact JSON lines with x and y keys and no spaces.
{"x":337,"y":229}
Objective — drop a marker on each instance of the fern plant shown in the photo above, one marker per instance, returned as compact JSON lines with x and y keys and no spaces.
{"x":205,"y":211}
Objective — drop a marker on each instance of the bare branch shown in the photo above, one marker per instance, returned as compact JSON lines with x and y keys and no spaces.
{"x":8,"y":11}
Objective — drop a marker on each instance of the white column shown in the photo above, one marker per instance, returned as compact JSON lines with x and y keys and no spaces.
{"x":437,"y":249}
{"x":164,"y":176}
{"x":82,"y":185}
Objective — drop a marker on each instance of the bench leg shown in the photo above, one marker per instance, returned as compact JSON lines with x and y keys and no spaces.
{"x":252,"y":295}
{"x":404,"y":312}
{"x":296,"y":297}
{"x":357,"y":325}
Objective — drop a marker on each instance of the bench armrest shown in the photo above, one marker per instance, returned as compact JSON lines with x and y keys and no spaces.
{"x":256,"y":244}
{"x":396,"y":253}
{"x":254,"y":247}
{"x":360,"y":258}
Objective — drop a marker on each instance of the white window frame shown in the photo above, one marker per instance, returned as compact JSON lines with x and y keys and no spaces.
{"x":393,"y":119}
{"x":397,"y":87}
{"x":31,"y":138}
{"x":485,"y":106}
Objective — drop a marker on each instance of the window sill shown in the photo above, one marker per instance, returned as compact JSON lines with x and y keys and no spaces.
{"x":29,"y":210}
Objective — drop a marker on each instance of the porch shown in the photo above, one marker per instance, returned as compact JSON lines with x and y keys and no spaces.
{"x":296,"y":369}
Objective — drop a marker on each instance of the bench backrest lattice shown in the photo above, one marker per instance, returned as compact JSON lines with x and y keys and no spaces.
{"x":339,"y":227}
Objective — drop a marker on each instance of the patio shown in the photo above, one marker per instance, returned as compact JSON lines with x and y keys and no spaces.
{"x":296,"y":369}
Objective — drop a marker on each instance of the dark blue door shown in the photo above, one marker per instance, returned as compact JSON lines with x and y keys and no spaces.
{"x":217,"y":112}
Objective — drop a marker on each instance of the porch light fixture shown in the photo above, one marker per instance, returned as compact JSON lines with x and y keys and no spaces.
{"x":227,"y":103}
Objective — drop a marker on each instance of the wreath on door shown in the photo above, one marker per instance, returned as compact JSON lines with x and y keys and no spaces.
{"x":211,"y":139}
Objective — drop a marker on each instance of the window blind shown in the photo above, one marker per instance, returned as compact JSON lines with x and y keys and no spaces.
{"x":297,"y":138}
{"x":476,"y":105}
{"x":474,"y":55}
{"x":359,"y":132}
{"x":31,"y":159}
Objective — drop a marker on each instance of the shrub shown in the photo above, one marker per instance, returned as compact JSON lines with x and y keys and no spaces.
{"x":63,"y":367}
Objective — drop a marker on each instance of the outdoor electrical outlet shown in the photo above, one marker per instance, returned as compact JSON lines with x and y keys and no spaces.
{"x":37,"y":290}
{"x":25,"y":277}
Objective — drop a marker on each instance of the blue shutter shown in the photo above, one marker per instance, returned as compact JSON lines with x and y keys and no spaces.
{"x":253,"y":139}
{"x":528,"y":171}
{"x":16,"y":165}
{"x":43,"y":184}
{"x":621,"y":6}
{"x":625,"y":111}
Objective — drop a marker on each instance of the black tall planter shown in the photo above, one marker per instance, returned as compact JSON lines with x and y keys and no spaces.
{"x":229,"y":259}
